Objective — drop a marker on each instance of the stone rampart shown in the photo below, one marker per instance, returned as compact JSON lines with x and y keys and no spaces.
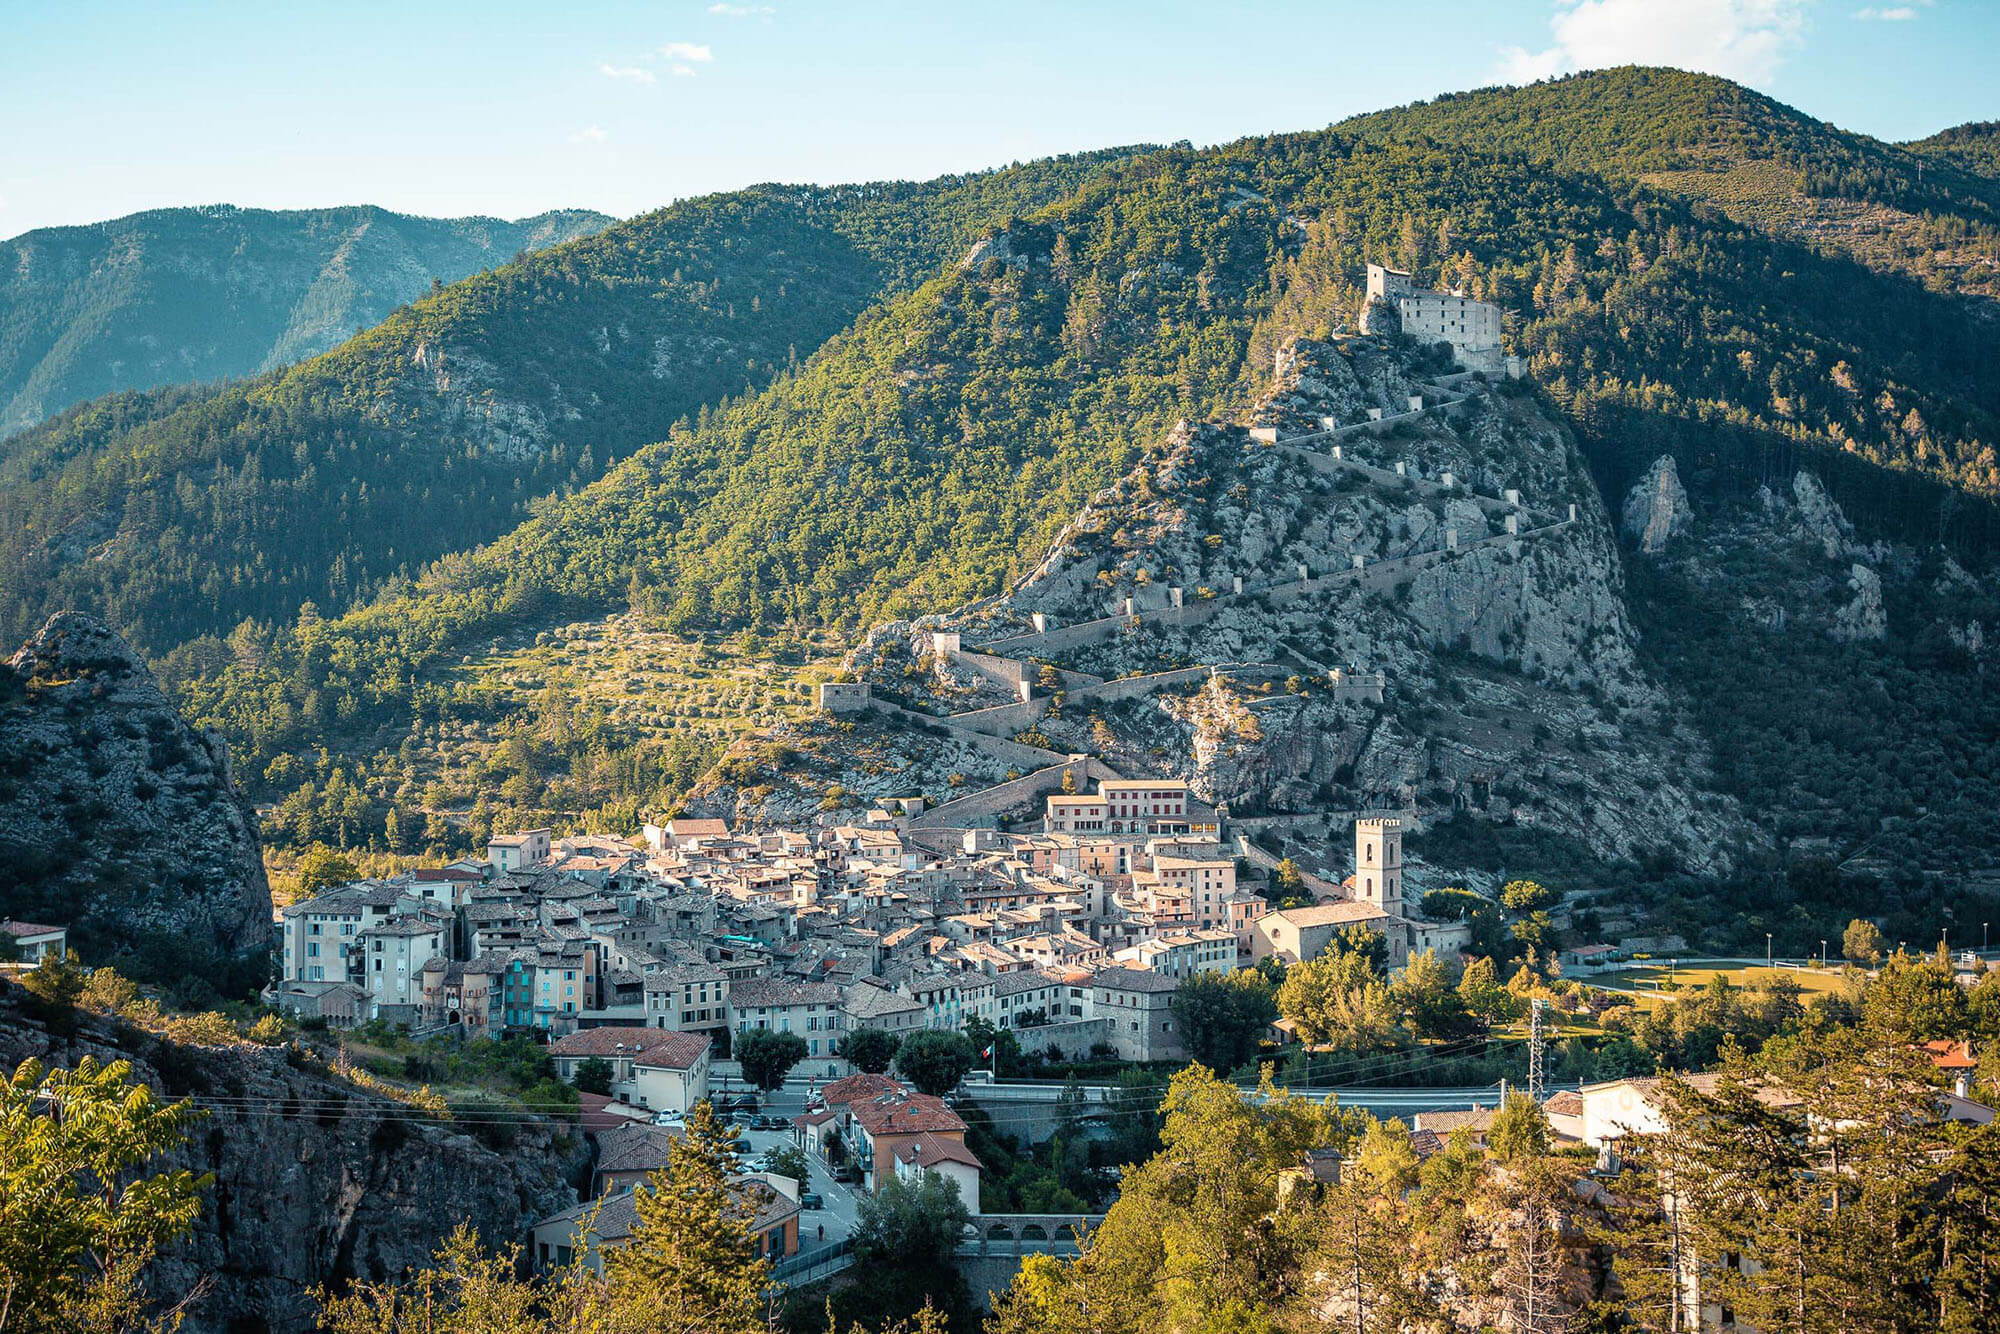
{"x":980,"y":808}
{"x":1009,"y":672}
{"x":1002,"y":719}
{"x":1136,"y":687}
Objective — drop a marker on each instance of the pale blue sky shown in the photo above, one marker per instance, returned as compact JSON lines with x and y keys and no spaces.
{"x":509,"y":108}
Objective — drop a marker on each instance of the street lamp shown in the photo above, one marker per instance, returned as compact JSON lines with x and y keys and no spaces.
{"x":1822,"y":954}
{"x":1767,"y":950}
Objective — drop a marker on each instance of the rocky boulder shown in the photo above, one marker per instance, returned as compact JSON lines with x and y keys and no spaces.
{"x":1657,"y":509}
{"x":118,"y":820}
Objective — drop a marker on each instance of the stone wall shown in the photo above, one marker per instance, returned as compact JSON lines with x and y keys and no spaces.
{"x":1003,"y":719}
{"x":1009,"y":672}
{"x":1135,"y":687}
{"x":1074,"y":1039}
{"x":982,"y":807}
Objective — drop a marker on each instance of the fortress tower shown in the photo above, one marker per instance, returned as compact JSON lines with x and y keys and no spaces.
{"x":1378,"y":864}
{"x":1473,"y":328}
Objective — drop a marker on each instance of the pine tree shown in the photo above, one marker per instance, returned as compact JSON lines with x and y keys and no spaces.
{"x":1968,"y":1277}
{"x":692,"y":1265}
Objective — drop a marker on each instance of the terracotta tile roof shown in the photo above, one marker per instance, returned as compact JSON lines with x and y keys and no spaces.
{"x":928,"y":1150}
{"x":755,"y":992}
{"x":596,"y":1115}
{"x":902,"y":1112}
{"x":1949,"y":1055}
{"x":656,"y":1045}
{"x":634,"y":1146}
{"x":854,"y":1087}
{"x":1328,"y":914}
{"x":19,"y":929}
{"x":1133,"y":979}
{"x":618,"y":1215}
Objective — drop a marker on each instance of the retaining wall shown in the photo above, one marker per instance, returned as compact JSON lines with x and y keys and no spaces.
{"x":1002,"y":748}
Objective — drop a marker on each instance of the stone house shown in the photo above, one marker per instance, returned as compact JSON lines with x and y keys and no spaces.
{"x":650,"y":1067}
{"x":949,"y":1159}
{"x":1297,"y":935}
{"x":810,"y":1009}
{"x":687,"y":997}
{"x":870,"y":1006}
{"x":1138,"y":1003}
{"x":393,"y":956}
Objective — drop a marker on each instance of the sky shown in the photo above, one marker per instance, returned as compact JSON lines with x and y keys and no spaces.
{"x":506,"y":108}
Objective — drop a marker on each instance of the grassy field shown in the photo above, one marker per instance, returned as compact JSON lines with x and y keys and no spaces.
{"x":1649,"y":979}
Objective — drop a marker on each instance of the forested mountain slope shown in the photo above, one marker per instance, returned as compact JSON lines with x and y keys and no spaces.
{"x":1925,"y":209}
{"x":1974,"y":147}
{"x":925,"y":457}
{"x":181,"y":512}
{"x":195,"y":294}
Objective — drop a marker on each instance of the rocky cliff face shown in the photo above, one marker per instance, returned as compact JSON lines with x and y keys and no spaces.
{"x":317,"y":1182}
{"x":1437,"y":548}
{"x":1656,"y":508}
{"x":117,"y":819}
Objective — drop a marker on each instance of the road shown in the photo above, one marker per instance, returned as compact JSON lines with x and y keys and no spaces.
{"x":817,"y":1227}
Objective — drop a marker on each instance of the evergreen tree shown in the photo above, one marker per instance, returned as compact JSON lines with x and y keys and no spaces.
{"x":692,"y":1265}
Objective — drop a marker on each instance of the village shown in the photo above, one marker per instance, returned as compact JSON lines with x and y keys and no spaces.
{"x":1064,"y":908}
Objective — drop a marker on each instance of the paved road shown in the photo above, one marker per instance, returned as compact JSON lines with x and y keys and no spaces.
{"x":817,"y":1227}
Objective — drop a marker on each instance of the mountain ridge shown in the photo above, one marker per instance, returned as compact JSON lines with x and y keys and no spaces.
{"x":434,"y":430}
{"x":215,"y":291}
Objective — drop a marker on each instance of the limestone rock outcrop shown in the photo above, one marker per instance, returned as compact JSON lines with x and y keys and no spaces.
{"x":116,"y":818}
{"x":1656,"y":508}
{"x":1864,"y":616}
{"x":317,"y":1181}
{"x":1462,"y":551}
{"x":1820,"y":517}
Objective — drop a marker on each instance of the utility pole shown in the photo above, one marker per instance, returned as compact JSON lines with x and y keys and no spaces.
{"x":1535,"y":1049}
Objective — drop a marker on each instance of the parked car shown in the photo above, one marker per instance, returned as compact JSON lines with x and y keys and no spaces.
{"x":669,"y":1118}
{"x":811,"y":1200}
{"x":847,"y":1173}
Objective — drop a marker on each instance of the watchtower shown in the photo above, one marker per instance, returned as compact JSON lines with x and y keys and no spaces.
{"x":1378,"y":864}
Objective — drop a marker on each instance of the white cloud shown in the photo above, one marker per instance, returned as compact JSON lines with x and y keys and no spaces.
{"x":682,"y":71}
{"x":627,"y":73}
{"x":1891,"y":14}
{"x":1744,"y":40}
{"x":590,"y":134}
{"x":692,"y":52}
{"x":739,"y":11}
